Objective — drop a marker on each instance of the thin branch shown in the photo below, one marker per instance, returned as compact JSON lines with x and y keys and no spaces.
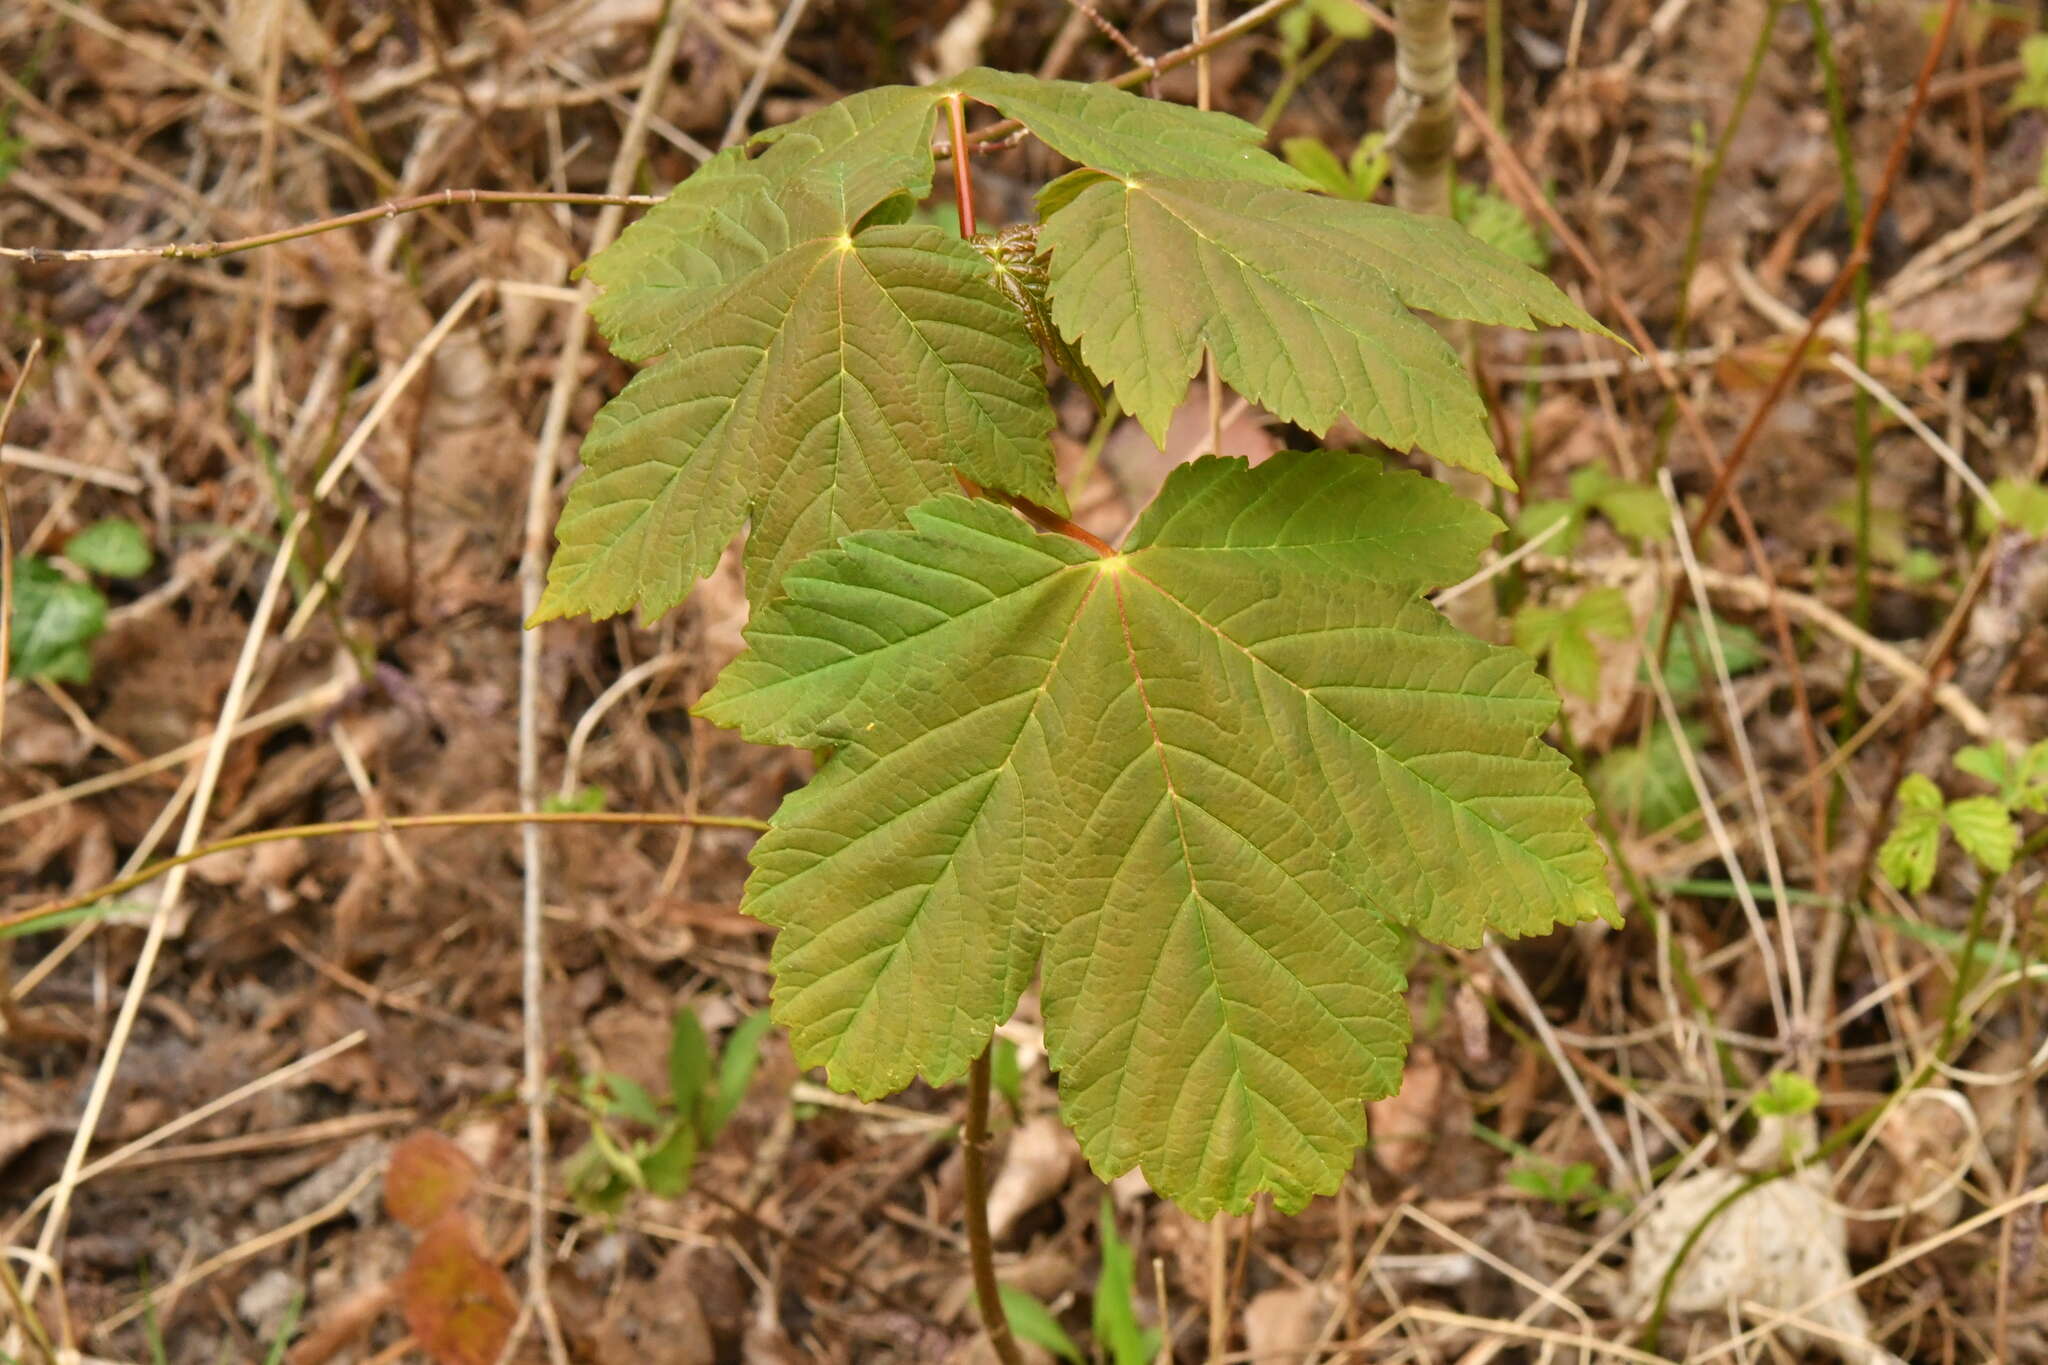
{"x":206,"y":251}
{"x":1859,"y":256}
{"x":32,"y":921}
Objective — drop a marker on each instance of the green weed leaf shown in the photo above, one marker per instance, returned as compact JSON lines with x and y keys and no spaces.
{"x":113,"y":548}
{"x":1304,"y":301}
{"x":736,"y":1067}
{"x":1787,"y":1095}
{"x":689,"y":1063}
{"x":1564,"y":638}
{"x":1909,"y":853}
{"x":1204,"y":778}
{"x":1032,"y":1322}
{"x":2022,"y":504}
{"x":1646,"y":784}
{"x":1117,"y":1332}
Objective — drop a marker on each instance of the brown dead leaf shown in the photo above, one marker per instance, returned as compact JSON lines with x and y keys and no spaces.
{"x":456,"y":1302}
{"x":1035,"y":1168}
{"x":1281,"y":1325}
{"x":428,"y":1178}
{"x":1402,"y":1127}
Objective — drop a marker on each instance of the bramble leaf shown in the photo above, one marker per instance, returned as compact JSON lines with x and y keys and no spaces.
{"x":1302,"y":299}
{"x":1204,"y":778}
{"x":1908,"y":854}
{"x":113,"y":548}
{"x":1985,"y":830}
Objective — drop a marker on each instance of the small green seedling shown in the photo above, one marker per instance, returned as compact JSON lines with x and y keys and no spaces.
{"x":2032,"y":91}
{"x":1342,"y":18}
{"x":1118,"y":1333}
{"x":2021,"y":784}
{"x":57,"y":615}
{"x":1359,"y":178}
{"x":1576,"y":1186}
{"x":2022,"y":505}
{"x":639,"y":1143}
{"x":1499,"y":223}
{"x":1636,"y":510}
{"x":1120,"y":1339}
{"x":1562,"y":638}
{"x":1983,"y":827}
{"x":1786,"y":1095}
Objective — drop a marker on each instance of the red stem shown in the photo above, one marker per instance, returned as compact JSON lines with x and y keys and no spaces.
{"x":963,"y":176}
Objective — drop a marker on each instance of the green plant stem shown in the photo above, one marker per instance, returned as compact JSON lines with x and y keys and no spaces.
{"x":1294,"y":78}
{"x":30,"y":921}
{"x":1859,"y":256}
{"x":1696,"y":222}
{"x":981,"y":1254}
{"x":1852,"y":207}
{"x":1951,"y":1022}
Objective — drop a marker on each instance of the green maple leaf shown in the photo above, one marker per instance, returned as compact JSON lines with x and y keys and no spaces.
{"x":834,"y":385}
{"x":55,"y":619}
{"x":1202,"y":779}
{"x":1303,"y":300}
{"x":1112,"y":130}
{"x":820,"y":364}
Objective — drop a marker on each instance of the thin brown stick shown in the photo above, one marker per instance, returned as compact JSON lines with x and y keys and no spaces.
{"x":206,"y":251}
{"x":1859,"y":256}
{"x":27,"y":920}
{"x":981,"y":1254}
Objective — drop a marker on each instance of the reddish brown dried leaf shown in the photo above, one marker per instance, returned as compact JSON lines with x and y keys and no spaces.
{"x":456,"y":1302}
{"x":428,"y":1176}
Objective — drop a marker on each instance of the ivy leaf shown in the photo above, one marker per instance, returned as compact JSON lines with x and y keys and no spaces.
{"x":835,"y":386}
{"x":1302,"y":299}
{"x":1204,"y":777}
{"x":113,"y":548}
{"x":54,"y":620}
{"x":1985,"y":830}
{"x":1909,"y":853}
{"x":1112,"y":130}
